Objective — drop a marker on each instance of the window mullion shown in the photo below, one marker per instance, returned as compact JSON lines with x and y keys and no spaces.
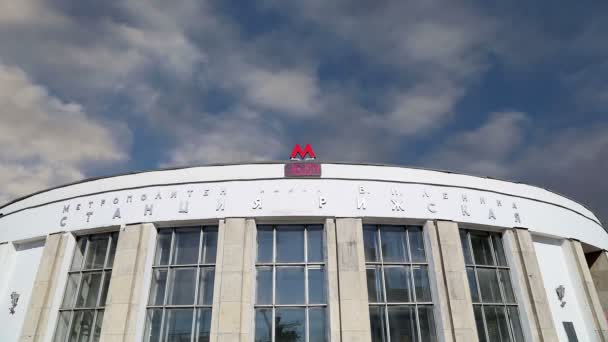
{"x":108,"y":250}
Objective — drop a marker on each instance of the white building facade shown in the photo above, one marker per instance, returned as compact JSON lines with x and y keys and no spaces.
{"x":301,"y":251}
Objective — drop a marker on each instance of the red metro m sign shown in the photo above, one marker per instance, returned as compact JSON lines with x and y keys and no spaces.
{"x":297,"y":151}
{"x":301,"y":165}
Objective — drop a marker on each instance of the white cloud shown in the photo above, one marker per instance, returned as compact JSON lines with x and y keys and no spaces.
{"x":290,"y":92}
{"x":45,"y":141}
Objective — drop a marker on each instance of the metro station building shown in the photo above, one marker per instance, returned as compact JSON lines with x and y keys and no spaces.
{"x":301,"y":251}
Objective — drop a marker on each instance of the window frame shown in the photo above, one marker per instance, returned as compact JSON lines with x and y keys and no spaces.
{"x":491,"y":235}
{"x":306,"y":264}
{"x":380,"y":263}
{"x":171,"y":266}
{"x":105,"y":270}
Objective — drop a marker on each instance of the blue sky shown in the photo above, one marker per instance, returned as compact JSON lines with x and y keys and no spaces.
{"x":514,"y":91}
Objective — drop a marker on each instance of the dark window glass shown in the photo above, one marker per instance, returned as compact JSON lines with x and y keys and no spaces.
{"x":290,"y":285}
{"x":265,"y":244}
{"x":290,"y":325}
{"x":290,"y":244}
{"x":374,"y":284}
{"x":402,"y":323}
{"x":370,"y":241}
{"x":264,"y":285}
{"x":293,"y":306}
{"x":186,"y":246}
{"x":82,"y":307}
{"x":398,"y":283}
{"x":570,"y":332}
{"x":495,"y":306}
{"x":394,"y":244}
{"x":378,"y":323}
{"x":181,"y":290}
{"x":466,"y":250}
{"x":315,"y":243}
{"x":397,"y":273}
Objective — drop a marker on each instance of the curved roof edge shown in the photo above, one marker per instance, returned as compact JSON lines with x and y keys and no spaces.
{"x":91,"y":179}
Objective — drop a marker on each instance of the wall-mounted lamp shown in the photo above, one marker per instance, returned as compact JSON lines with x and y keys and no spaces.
{"x":14,"y":301}
{"x":561,"y":292}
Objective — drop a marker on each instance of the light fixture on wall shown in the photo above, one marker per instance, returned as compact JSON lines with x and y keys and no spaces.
{"x":14,"y":301}
{"x":561,"y":292}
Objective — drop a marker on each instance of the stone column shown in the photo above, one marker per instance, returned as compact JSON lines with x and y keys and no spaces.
{"x":591,"y":297}
{"x":333,"y":290}
{"x":520,"y":248}
{"x":460,"y":306}
{"x":444,"y":323}
{"x":125,"y":293}
{"x":45,"y":285}
{"x":233,"y":291}
{"x":599,"y":273}
{"x":354,"y":305}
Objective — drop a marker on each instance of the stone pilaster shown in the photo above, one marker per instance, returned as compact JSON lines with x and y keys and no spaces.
{"x":444,"y":324}
{"x":124,"y":300}
{"x":354,"y":305}
{"x":599,"y":273}
{"x":591,"y":297}
{"x":460,"y":306}
{"x":520,"y":248}
{"x":45,"y":285}
{"x":233,"y":291}
{"x":333,"y":290}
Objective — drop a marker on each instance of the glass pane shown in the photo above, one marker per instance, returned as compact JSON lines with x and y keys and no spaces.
{"x":290,"y":325}
{"x":481,"y":248}
{"x":70,"y":290}
{"x":318,"y":325}
{"x":370,"y":243}
{"x":181,"y":286}
{"x":89,"y":290}
{"x":112,"y":253}
{"x":157,"y":290}
{"x":290,"y":285}
{"x":265,"y":247}
{"x":290,"y":243}
{"x":378,"y":323}
{"x":374,"y":284}
{"x":209,"y":246}
{"x":316,"y":286}
{"x":515,"y":323}
{"x":186,"y":246}
{"x":153,"y":322}
{"x":163,"y":248}
{"x":464,"y":241}
{"x":96,"y":253}
{"x":473,"y":285}
{"x":397,"y":280}
{"x":104,"y":288}
{"x":82,"y":326}
{"x":496,"y":321}
{"x":178,"y":325}
{"x":79,"y":254}
{"x":481,"y":332}
{"x":315,"y":243}
{"x":427,"y":323}
{"x":203,"y":324}
{"x":98,"y":323}
{"x":505,"y":280}
{"x":416,"y":244}
{"x":263,"y":325}
{"x":402,"y":323}
{"x":394,"y":244}
{"x":499,"y":250}
{"x":205,"y":285}
{"x":62,"y":326}
{"x":488,"y":285}
{"x":264,"y":285}
{"x":421,"y":283}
